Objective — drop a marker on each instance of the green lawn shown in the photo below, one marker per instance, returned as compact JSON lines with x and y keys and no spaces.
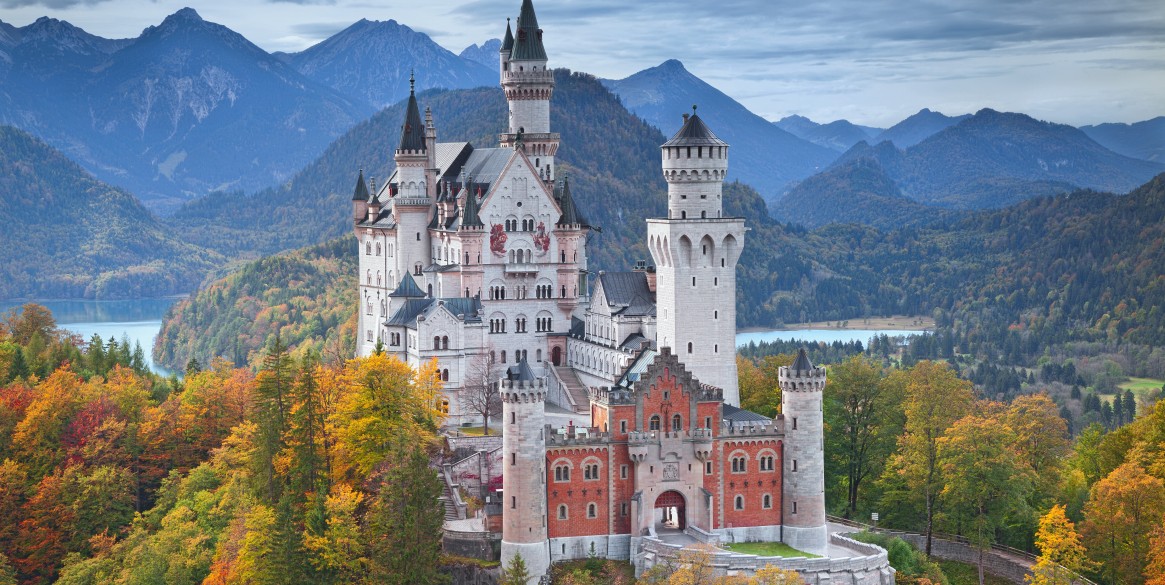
{"x":1140,"y":386}
{"x":479,"y":431}
{"x":767,"y":549}
{"x":966,"y":574}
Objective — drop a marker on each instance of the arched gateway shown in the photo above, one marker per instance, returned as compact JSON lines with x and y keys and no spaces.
{"x":674,"y":510}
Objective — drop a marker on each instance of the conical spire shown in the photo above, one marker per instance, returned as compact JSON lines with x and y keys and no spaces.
{"x":694,"y":133}
{"x":412,"y":134}
{"x":528,"y":45}
{"x":570,"y":213}
{"x":508,"y":42}
{"x":471,"y":217}
{"x":802,"y":363}
{"x":361,"y":193}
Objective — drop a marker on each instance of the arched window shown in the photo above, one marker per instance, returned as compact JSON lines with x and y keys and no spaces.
{"x":562,"y":511}
{"x":367,"y":248}
{"x":445,"y":375}
{"x":444,"y":342}
{"x":503,"y":356}
{"x":689,"y":347}
{"x":592,"y":510}
{"x":561,"y":473}
{"x":739,"y":502}
{"x":767,"y":502}
{"x":653,"y":424}
{"x":677,"y":423}
{"x":377,"y":248}
{"x":436,"y":342}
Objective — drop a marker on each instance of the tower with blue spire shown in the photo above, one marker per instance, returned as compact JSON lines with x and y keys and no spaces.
{"x":528,"y":84}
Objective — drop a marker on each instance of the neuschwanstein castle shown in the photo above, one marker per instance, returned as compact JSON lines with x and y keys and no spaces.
{"x":620,"y":416}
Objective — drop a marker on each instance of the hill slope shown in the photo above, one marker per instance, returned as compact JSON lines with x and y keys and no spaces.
{"x":371,"y":61}
{"x":917,"y":128}
{"x":838,"y":135}
{"x":65,"y":234}
{"x":763,"y":155}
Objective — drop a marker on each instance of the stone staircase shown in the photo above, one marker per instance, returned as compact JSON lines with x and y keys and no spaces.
{"x":575,"y":387}
{"x":447,"y":501}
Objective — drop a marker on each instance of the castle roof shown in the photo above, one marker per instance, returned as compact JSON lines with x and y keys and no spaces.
{"x":412,"y":134}
{"x":528,"y":45}
{"x":508,"y":42}
{"x":627,"y":293}
{"x":466,"y":309}
{"x":694,"y":133}
{"x":470,"y":216}
{"x":570,"y":213}
{"x":361,"y":193}
{"x":407,"y":288}
{"x":740,"y":415}
{"x":521,"y":372}
{"x":802,"y":363}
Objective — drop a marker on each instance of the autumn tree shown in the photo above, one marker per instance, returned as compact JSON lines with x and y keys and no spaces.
{"x":1123,"y":510}
{"x":935,"y":399}
{"x":1155,"y":568}
{"x":984,"y":483}
{"x":863,"y":414}
{"x":7,"y":573}
{"x":1041,"y":441}
{"x":1062,"y":556}
{"x":759,"y":389}
{"x":334,"y":545}
{"x":772,"y":575}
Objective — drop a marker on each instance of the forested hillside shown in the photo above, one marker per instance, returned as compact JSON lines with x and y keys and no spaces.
{"x":304,"y":297}
{"x":64,"y":234}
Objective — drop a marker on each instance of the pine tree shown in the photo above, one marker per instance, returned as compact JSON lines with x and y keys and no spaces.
{"x":516,"y":572}
{"x":404,"y":522}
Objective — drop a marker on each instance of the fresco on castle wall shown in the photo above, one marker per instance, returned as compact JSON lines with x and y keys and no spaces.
{"x":497,"y":240}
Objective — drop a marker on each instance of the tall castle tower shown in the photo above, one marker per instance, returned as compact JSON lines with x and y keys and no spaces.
{"x":695,"y":251}
{"x":528,"y":84}
{"x":524,"y":470}
{"x":804,"y":473}
{"x":416,"y":182}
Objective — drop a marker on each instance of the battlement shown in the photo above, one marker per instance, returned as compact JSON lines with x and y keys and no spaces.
{"x":808,"y":380}
{"x":523,"y":391}
{"x":568,"y":436}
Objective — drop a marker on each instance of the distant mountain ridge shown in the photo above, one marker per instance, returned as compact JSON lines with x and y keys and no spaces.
{"x":917,"y":128}
{"x":1144,"y":140}
{"x":187,"y":107}
{"x":485,"y":53}
{"x":764,"y":156}
{"x":373,"y":60}
{"x":995,"y":159}
{"x":839,"y":135}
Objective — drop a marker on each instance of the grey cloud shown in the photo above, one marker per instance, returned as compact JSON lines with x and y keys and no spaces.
{"x":319,"y":30}
{"x":305,"y":2}
{"x":53,"y":4}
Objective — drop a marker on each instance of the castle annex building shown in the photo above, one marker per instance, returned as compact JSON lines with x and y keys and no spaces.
{"x":620,"y":417}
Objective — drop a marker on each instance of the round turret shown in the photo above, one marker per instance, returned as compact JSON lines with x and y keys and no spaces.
{"x":524,"y":469}
{"x":695,"y":163}
{"x":804,"y":458}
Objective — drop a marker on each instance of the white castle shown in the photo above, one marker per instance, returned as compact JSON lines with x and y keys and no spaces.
{"x":476,"y":258}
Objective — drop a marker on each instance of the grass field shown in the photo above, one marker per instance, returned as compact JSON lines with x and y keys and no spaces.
{"x":767,"y":549}
{"x":966,"y":574}
{"x":479,"y":431}
{"x":1141,"y":386}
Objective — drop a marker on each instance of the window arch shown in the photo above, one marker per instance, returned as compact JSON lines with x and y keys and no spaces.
{"x":562,"y":515}
{"x":445,"y":375}
{"x":561,"y":471}
{"x":739,"y":504}
{"x":766,"y":460}
{"x":591,"y":469}
{"x":444,"y":342}
{"x":677,"y":423}
{"x":653,"y":423}
{"x":689,"y":347}
{"x":766,"y":501}
{"x":592,"y":510}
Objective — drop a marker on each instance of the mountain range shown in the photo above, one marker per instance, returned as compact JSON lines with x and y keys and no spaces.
{"x":764,"y":156}
{"x":838,"y":135}
{"x":1144,"y":140}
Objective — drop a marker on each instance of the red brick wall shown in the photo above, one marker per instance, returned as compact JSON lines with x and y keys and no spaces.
{"x":621,"y":413}
{"x":577,"y":493}
{"x":622,"y":489}
{"x":655,"y":404}
{"x":752,"y":484}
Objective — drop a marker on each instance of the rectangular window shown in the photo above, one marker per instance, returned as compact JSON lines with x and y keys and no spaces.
{"x":708,"y":422}
{"x":623,"y":509}
{"x":622,"y":472}
{"x":794,"y":423}
{"x":622,"y":426}
{"x":708,"y":468}
{"x":513,"y":458}
{"x":513,"y":502}
{"x":794,"y":507}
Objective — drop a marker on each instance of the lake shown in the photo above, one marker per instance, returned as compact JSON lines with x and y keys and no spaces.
{"x":825,"y":335}
{"x":140,"y":320}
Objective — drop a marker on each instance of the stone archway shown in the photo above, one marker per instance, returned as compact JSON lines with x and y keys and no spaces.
{"x":556,"y":356}
{"x":674,"y":511}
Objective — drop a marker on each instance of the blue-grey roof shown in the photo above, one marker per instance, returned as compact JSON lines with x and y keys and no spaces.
{"x":627,"y":293}
{"x":412,"y":133}
{"x":635,"y":370}
{"x":738,"y":415}
{"x":802,"y":363}
{"x":361,"y":192}
{"x":521,"y":372}
{"x":465,"y":309}
{"x":528,"y":44}
{"x":406,"y":315}
{"x":407,"y":288}
{"x":694,"y":133}
{"x":633,"y":342}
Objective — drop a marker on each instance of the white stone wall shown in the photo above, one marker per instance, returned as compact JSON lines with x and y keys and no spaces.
{"x":377,"y":277}
{"x":615,"y":546}
{"x":531,"y":115}
{"x":696,"y":295}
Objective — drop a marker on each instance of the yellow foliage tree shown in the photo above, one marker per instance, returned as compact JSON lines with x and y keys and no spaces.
{"x":1062,"y":555}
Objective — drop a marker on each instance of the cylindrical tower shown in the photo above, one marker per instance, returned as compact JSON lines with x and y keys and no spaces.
{"x":524,"y":473}
{"x":803,"y":513}
{"x":529,"y":83}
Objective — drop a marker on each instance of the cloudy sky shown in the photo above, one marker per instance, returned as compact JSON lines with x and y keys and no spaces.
{"x":870,"y":61}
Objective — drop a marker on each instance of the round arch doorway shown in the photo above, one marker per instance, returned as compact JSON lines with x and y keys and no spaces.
{"x":670,"y":511}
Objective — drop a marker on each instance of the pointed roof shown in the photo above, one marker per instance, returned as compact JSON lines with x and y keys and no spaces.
{"x":470,"y":217}
{"x":408,"y":288}
{"x":570,"y":213}
{"x":522,"y":371}
{"x":508,"y":42}
{"x":802,"y":363}
{"x":694,"y":133}
{"x":412,"y":134}
{"x":361,"y":193}
{"x":528,"y":45}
